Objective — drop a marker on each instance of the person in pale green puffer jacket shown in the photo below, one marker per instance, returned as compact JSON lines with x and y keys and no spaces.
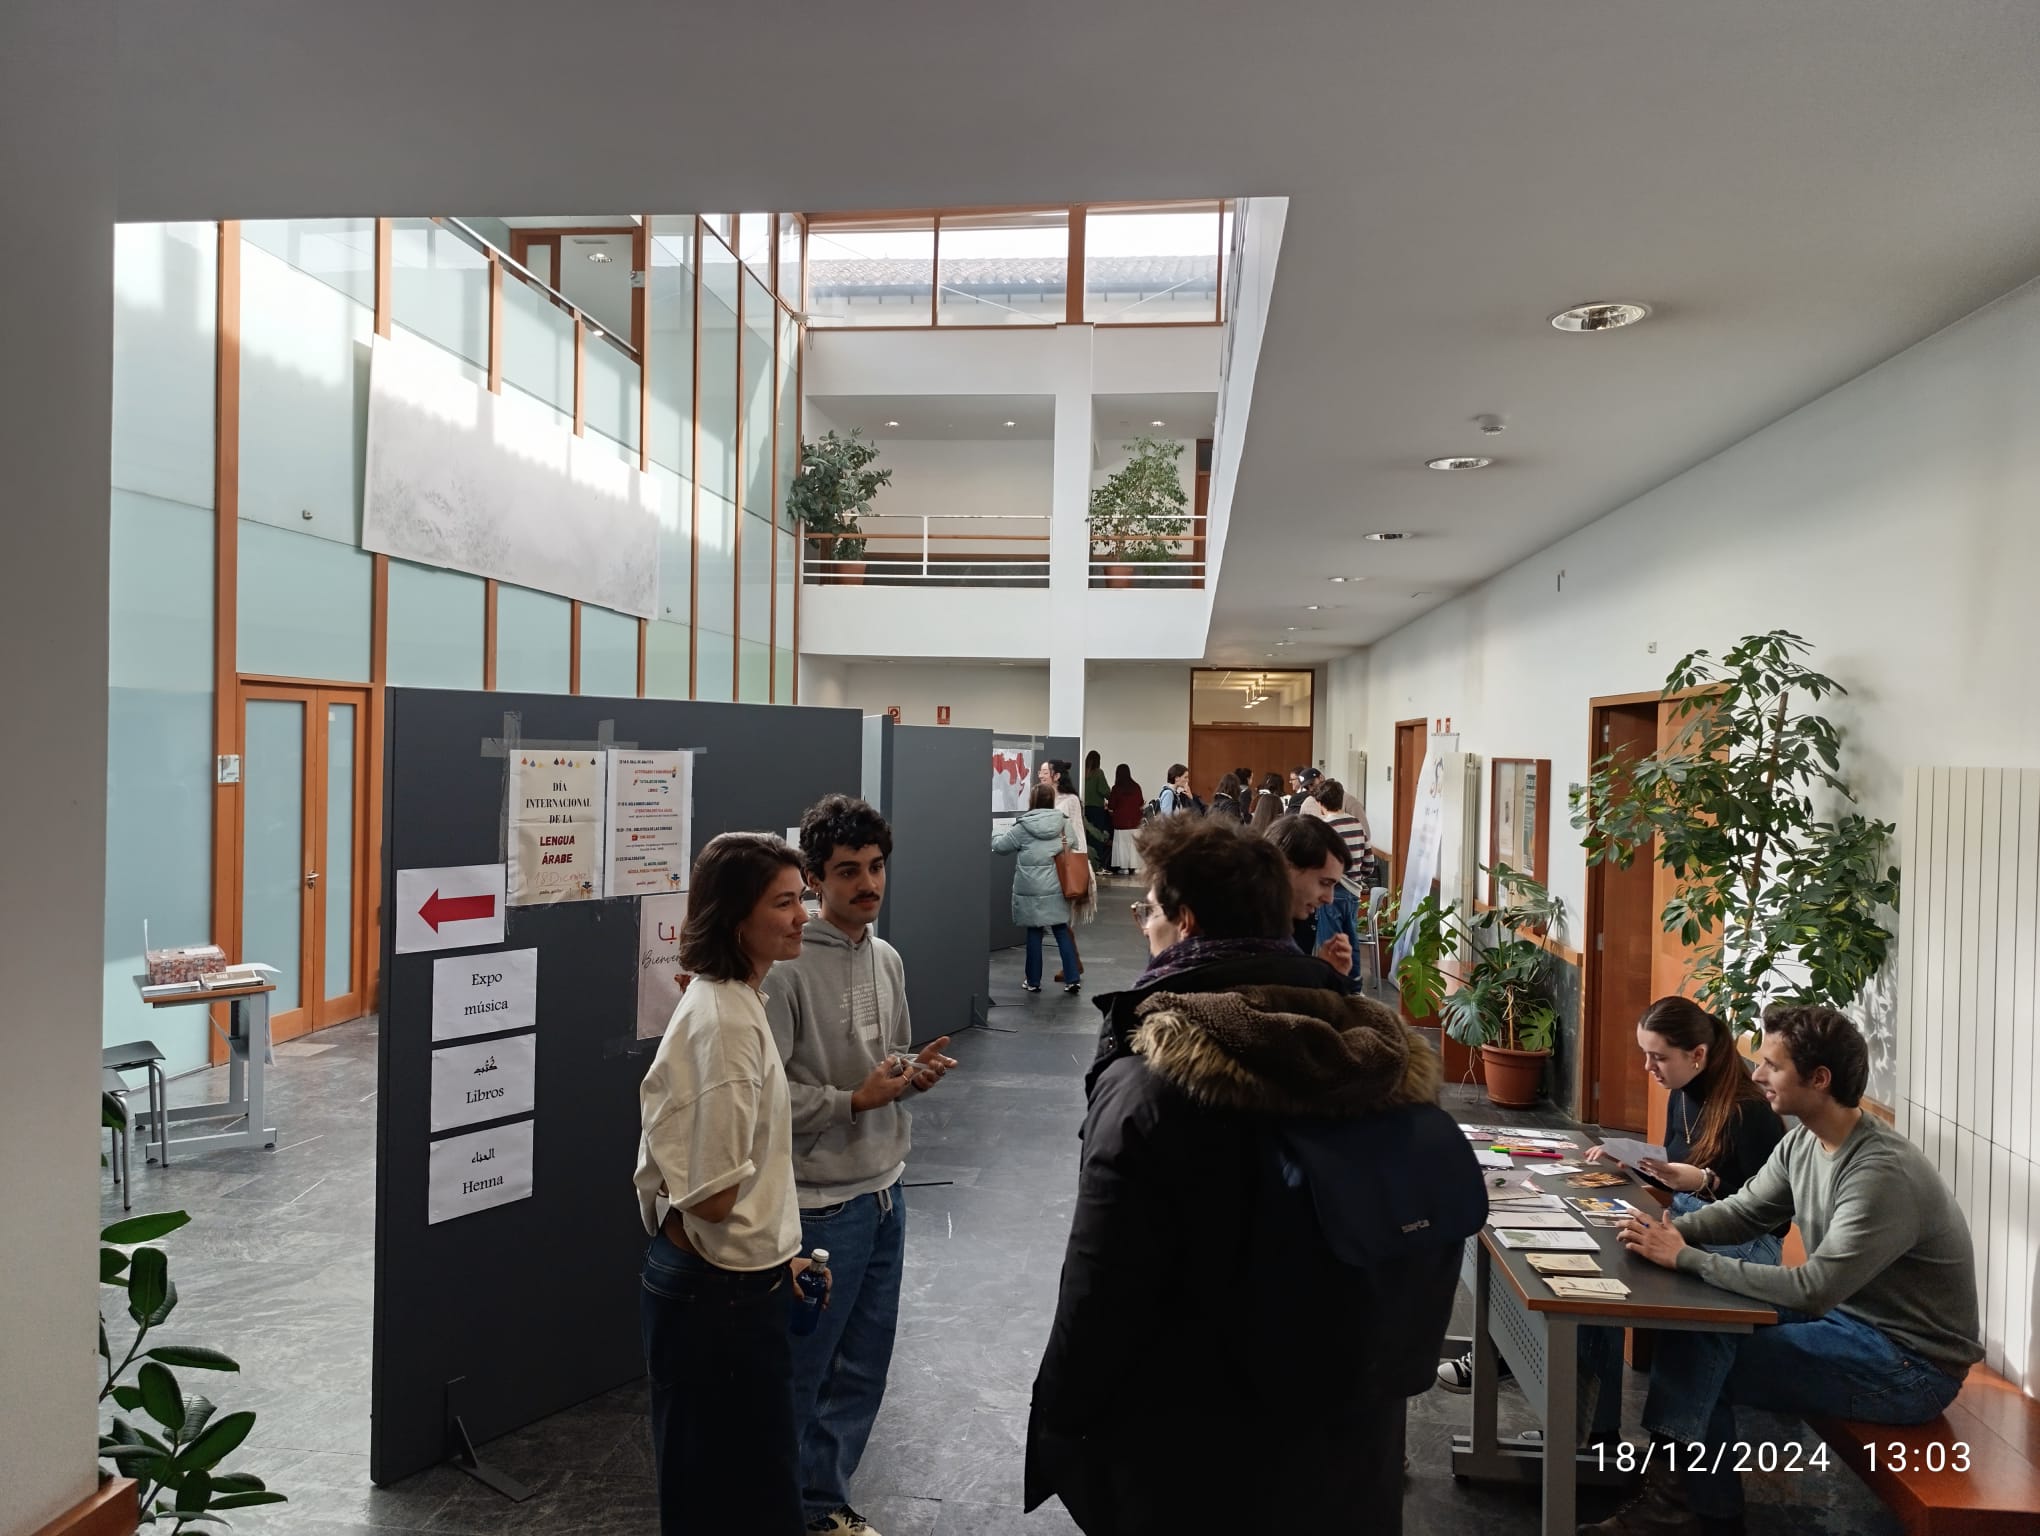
{"x":1037,"y":835}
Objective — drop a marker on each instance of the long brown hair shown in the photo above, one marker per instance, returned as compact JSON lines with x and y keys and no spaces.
{"x":1722,"y":1083}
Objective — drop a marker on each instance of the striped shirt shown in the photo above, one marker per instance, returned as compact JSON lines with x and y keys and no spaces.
{"x":1354,"y":834}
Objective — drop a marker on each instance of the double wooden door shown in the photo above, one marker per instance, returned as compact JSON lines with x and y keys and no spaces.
{"x":305,"y":878}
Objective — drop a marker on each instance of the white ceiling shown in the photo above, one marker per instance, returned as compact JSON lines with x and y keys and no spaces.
{"x":940,"y":418}
{"x":1116,"y":418}
{"x":1802,"y":190}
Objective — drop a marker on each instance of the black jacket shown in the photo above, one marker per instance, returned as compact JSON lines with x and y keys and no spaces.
{"x":1213,"y":1356}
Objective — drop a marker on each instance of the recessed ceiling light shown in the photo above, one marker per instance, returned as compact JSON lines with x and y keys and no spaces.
{"x":1285,"y":642}
{"x":1605,"y":315}
{"x":1012,"y":423}
{"x":1386,"y":538}
{"x":1459,"y":461}
{"x":1346,"y":578}
{"x":1158,"y":423}
{"x":594,"y":333}
{"x":1312,"y":607}
{"x":892,"y":423}
{"x":598,"y":256}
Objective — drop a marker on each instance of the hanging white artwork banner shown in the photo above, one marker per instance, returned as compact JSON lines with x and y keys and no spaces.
{"x":498,"y":485}
{"x":555,"y":830}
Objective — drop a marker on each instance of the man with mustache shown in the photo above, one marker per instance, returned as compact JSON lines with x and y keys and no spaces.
{"x":839,"y":1017}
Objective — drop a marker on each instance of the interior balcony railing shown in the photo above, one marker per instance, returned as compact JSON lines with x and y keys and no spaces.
{"x":940,"y":549}
{"x":1150,"y":554}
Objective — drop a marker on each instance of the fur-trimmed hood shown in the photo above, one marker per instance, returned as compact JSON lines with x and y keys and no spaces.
{"x":1304,"y":1051}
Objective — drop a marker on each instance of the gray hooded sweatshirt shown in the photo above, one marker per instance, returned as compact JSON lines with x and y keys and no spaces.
{"x":835,"y":1013}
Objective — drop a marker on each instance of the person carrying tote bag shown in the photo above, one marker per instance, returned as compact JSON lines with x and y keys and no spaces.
{"x":1037,"y":835}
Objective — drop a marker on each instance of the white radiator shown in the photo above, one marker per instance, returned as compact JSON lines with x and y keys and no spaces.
{"x":1969,"y":937}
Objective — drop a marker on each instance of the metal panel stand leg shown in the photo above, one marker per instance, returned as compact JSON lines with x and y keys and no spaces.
{"x":1561,"y":1413}
{"x":460,"y":1450}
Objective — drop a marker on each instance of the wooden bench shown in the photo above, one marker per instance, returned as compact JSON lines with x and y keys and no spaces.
{"x":1999,"y":1495}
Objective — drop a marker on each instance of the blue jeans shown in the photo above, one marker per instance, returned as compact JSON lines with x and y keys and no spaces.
{"x":1600,"y":1350}
{"x":1063,"y":942}
{"x":839,"y":1370}
{"x":722,"y":1400}
{"x":1833,"y":1366}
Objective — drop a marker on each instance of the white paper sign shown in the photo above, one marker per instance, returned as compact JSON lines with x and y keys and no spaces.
{"x":555,"y":827}
{"x":482,"y":994}
{"x":1012,"y":779}
{"x":650,"y":821}
{"x":449,"y":908}
{"x":486,"y":1081}
{"x":471,"y":1173}
{"x":660,"y":986}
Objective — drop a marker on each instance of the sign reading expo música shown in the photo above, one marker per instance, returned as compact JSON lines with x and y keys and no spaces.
{"x":555,"y":827}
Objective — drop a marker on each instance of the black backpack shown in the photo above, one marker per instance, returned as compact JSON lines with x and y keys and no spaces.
{"x":1360,"y":1230}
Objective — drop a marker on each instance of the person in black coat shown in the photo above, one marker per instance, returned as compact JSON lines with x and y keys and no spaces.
{"x":1226,"y":1354}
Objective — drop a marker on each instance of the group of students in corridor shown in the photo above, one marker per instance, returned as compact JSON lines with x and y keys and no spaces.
{"x":1237,"y":1330}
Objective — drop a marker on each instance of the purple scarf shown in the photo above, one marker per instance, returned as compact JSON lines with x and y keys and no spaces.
{"x":1193,"y":952}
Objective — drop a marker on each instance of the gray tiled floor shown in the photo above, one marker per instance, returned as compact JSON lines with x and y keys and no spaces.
{"x":277,"y":1269}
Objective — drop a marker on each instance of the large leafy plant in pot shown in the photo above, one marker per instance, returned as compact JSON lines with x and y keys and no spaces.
{"x":170,"y":1442}
{"x":1137,"y":515}
{"x":1488,"y":980}
{"x":832,"y":494}
{"x":1776,"y":901}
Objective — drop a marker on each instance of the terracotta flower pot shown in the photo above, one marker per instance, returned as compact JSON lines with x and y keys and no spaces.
{"x":1118,"y":575}
{"x":850,"y":574}
{"x":1514,"y":1078}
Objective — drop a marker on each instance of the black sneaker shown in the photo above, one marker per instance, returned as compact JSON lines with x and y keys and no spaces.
{"x":1073,"y":989}
{"x":1456,"y":1375}
{"x":1028,"y":986}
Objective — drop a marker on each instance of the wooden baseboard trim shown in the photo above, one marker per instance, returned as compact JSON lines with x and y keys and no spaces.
{"x":109,"y":1512}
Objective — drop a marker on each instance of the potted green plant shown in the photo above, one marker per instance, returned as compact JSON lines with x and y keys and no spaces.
{"x":830,"y":496}
{"x":1137,"y":515}
{"x":1488,"y":981}
{"x":1775,"y":901}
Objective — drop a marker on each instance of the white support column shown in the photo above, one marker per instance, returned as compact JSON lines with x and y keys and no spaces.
{"x":56,"y":67}
{"x":1069,"y":547}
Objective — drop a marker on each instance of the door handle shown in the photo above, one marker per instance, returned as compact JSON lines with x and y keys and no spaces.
{"x":312,"y":878}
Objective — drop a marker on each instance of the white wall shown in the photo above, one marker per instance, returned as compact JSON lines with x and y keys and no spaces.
{"x":1892,"y":523}
{"x":1020,"y":361}
{"x":822,"y":681}
{"x":973,"y":478}
{"x":55,"y":438}
{"x":1143,"y":360}
{"x":1138,"y":715}
{"x":1012,"y":699}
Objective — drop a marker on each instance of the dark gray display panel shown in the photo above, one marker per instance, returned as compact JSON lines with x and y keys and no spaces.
{"x":532,"y":1306}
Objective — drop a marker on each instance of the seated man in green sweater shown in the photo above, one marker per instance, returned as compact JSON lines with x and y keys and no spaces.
{"x":1880,"y":1322}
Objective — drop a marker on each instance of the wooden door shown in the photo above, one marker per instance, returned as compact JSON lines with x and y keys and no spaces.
{"x":1409,"y":773}
{"x":1621,"y":943}
{"x":304,"y":873}
{"x":1216,"y":750}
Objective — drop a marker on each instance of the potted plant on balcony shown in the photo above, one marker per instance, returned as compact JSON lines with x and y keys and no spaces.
{"x":1488,"y":981}
{"x":1138,"y":514}
{"x":831,"y":494}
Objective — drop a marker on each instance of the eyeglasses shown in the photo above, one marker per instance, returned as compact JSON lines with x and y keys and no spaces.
{"x":1144,"y":912}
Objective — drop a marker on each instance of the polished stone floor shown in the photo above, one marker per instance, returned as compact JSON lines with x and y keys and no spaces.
{"x":276,"y":1268}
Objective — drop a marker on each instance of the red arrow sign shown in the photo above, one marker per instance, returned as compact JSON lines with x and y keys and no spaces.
{"x":456,"y":909}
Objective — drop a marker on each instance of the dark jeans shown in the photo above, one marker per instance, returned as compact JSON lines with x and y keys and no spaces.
{"x":1600,"y":1349}
{"x":721,"y":1368}
{"x":839,"y":1370}
{"x":1833,"y":1366}
{"x":1063,"y":942}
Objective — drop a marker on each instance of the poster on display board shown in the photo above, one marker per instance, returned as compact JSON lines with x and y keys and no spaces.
{"x":555,"y":830}
{"x":1012,"y":778}
{"x":1427,"y":837}
{"x":649,"y":822}
{"x":662,"y":980}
